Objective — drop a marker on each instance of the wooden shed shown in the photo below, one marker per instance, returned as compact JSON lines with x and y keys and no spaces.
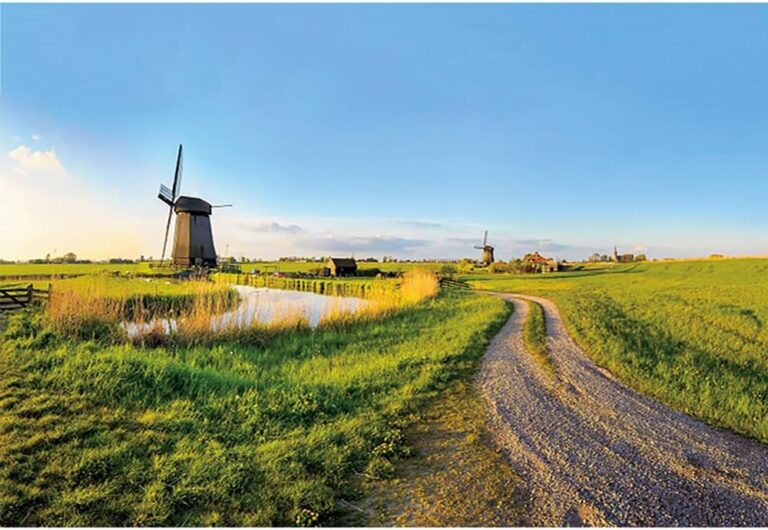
{"x":341,"y":266}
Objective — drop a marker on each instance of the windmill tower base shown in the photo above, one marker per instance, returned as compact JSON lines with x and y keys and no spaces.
{"x":487,"y":255}
{"x":193,"y":237}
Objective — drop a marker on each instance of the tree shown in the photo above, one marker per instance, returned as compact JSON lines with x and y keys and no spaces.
{"x":448,"y":269}
{"x":640,"y":257}
{"x":69,"y":257}
{"x":497,"y":267}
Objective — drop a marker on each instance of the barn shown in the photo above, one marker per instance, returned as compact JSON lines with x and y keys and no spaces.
{"x":341,"y":267}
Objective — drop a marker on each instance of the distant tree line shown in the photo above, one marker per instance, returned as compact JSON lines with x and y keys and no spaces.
{"x":623,"y":258}
{"x":69,"y":257}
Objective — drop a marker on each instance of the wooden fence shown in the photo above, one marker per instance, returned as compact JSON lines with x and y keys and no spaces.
{"x":452,"y":284}
{"x":13,"y":297}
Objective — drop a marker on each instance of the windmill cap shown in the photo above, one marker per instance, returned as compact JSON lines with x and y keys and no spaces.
{"x":192,"y":205}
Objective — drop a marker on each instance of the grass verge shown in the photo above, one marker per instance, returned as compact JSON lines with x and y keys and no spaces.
{"x":535,"y":337}
{"x":455,"y":477}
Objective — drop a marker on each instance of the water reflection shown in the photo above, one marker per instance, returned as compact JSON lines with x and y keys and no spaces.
{"x":265,"y":305}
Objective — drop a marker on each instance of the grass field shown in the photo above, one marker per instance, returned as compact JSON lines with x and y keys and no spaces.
{"x":13,"y":270}
{"x":693,"y":334}
{"x":47,"y":269}
{"x":274,"y":434}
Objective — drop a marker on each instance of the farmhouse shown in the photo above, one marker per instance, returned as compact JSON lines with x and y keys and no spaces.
{"x":539,"y":263}
{"x":341,"y":267}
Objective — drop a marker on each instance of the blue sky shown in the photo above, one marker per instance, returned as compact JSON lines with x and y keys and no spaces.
{"x":387,"y":129}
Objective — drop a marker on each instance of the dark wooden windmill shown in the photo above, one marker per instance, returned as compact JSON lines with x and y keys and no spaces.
{"x":487,"y":250}
{"x":192,"y":237}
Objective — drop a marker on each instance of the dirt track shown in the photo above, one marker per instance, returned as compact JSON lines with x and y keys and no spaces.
{"x":594,"y":452}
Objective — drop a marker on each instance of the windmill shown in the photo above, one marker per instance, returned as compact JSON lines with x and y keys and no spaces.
{"x":192,"y":237}
{"x":487,"y":250}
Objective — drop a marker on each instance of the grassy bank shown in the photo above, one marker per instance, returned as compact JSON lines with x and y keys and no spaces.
{"x":455,"y":478}
{"x":692,"y":334}
{"x":535,"y":337}
{"x":231,"y":434}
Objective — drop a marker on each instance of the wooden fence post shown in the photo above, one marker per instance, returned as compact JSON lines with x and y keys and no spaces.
{"x":29,"y":294}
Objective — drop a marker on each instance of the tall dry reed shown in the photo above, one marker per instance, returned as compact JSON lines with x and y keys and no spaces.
{"x":418,"y":285}
{"x":85,"y":313}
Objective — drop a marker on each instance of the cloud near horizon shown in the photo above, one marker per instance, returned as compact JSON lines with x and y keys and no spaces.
{"x":272,"y":227}
{"x":360,"y":244}
{"x":27,"y":159}
{"x":419,"y":225}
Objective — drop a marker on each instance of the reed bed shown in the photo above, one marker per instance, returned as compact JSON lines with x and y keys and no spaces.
{"x":96,"y":309}
{"x":200,"y":312}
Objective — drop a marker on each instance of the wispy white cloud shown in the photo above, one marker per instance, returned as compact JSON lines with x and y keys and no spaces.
{"x":28,"y":159}
{"x":271,"y":226}
{"x":418,"y":225}
{"x":373,"y":244}
{"x":36,"y":137}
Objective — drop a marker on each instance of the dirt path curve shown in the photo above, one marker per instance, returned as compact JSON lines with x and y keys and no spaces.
{"x":594,"y":452}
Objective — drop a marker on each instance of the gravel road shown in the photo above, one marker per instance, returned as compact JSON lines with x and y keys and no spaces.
{"x":594,"y":452}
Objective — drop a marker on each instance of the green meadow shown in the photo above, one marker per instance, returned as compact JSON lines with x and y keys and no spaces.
{"x":693,"y":334}
{"x":48,"y":269}
{"x":38,"y":270}
{"x":275,"y":431}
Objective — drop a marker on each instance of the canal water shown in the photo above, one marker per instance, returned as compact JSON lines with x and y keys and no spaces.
{"x":265,"y":305}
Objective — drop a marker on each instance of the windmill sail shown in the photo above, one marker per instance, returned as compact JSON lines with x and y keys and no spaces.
{"x":487,"y":250}
{"x":165,"y":194}
{"x":177,"y":174}
{"x":169,"y":197}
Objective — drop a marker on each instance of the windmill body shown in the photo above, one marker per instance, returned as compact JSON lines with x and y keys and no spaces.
{"x":192,"y":237}
{"x":487,"y":251}
{"x":487,"y":255}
